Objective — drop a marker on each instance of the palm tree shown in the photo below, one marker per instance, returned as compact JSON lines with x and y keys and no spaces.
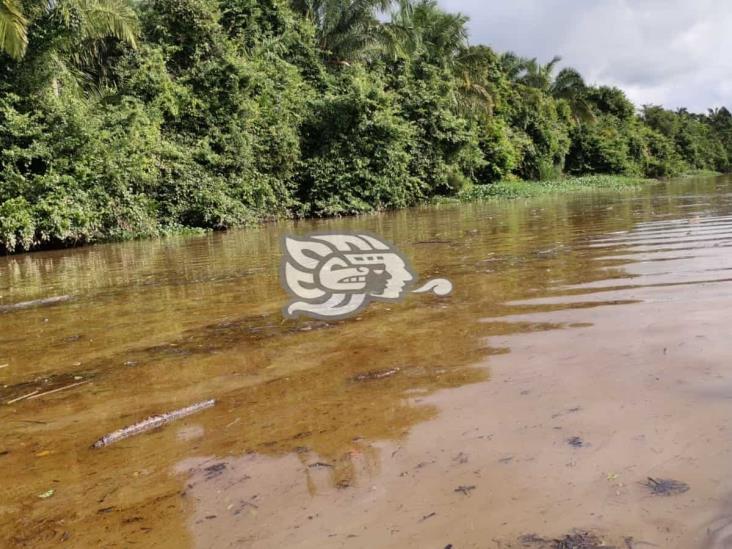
{"x":536,"y":75}
{"x":475,"y":89}
{"x":421,"y":28}
{"x":13,"y":29}
{"x":100,"y":19}
{"x":89,"y":22}
{"x":347,"y":30}
{"x":568,"y":84}
{"x":78,"y":51}
{"x":84,"y":53}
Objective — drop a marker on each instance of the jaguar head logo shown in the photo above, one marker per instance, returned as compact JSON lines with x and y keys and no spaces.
{"x":332,"y":276}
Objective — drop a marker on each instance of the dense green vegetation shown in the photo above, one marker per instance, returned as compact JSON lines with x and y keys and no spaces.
{"x":122,"y":118}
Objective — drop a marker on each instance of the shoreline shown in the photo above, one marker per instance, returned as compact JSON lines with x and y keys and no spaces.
{"x":501,"y":190}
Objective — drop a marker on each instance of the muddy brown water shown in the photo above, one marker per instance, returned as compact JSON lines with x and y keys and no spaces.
{"x":587,"y":347}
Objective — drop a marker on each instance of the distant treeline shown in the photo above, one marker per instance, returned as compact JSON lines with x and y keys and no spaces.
{"x":124,"y":118}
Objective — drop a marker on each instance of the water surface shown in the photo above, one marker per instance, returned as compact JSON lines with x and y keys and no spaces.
{"x":601,"y":315}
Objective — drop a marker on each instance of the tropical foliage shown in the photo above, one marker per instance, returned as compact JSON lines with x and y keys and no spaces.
{"x":121,"y":119}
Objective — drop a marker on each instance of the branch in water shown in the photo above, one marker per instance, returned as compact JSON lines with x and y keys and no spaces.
{"x":35,"y":303}
{"x":150,"y":423}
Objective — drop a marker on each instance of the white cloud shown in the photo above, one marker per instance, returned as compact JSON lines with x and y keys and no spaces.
{"x":670,"y":52}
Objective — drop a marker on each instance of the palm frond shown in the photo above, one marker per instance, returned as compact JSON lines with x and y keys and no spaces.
{"x":13,"y":29}
{"x":346,"y":29}
{"x":582,"y":111}
{"x":105,"y":18}
{"x":551,"y":65}
{"x":422,"y":28}
{"x":513,"y":65}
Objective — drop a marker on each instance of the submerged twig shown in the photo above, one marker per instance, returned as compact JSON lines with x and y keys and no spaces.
{"x":35,"y":303}
{"x":22,"y":397}
{"x":151,"y":423}
{"x":58,"y":390}
{"x":376,"y":374}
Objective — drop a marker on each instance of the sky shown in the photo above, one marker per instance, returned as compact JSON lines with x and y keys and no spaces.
{"x":676,"y":53}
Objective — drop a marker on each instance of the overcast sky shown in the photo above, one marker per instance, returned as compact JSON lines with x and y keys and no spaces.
{"x":670,"y":52}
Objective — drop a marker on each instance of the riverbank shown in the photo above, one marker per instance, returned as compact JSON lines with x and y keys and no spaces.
{"x":501,"y":190}
{"x":506,"y":190}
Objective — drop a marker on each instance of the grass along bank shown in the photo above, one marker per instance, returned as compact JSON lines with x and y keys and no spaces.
{"x":527,"y":189}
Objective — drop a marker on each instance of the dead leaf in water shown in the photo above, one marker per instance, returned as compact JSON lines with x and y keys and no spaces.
{"x":665,"y":486}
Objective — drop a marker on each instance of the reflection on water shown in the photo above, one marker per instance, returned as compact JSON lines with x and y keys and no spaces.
{"x":311,"y":415}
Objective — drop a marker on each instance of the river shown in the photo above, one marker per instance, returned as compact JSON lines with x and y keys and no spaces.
{"x":585,"y":348}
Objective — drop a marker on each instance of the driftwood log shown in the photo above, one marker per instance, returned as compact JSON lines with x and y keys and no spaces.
{"x":153,"y":422}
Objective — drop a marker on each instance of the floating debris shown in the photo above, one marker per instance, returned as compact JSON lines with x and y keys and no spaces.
{"x":319,"y":464}
{"x":575,"y":442}
{"x":152,"y":422}
{"x":665,"y":486}
{"x":46,"y":495}
{"x":215,"y":470}
{"x":579,"y":540}
{"x":527,"y":539}
{"x":465,"y":490}
{"x":435,"y":241}
{"x":425,"y":517}
{"x":376,"y":374}
{"x":574,"y":540}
